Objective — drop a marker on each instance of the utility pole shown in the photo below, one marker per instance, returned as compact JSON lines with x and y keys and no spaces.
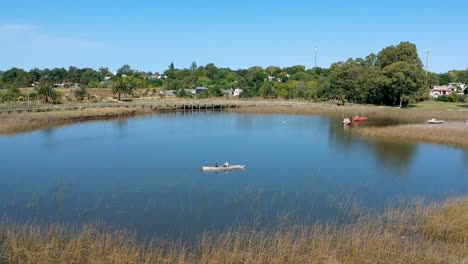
{"x":315,"y":65}
{"x":427,"y":59}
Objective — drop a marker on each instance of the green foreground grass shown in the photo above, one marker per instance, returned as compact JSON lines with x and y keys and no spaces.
{"x":435,"y":233}
{"x":432,"y":104}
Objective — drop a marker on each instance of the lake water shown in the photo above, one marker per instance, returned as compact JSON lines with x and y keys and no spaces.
{"x":144,"y":173}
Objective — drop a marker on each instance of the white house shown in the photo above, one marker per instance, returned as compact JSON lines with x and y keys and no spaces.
{"x":237,"y":92}
{"x":440,"y":90}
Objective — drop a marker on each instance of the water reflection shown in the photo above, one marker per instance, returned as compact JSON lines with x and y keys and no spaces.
{"x":392,"y":155}
{"x":395,"y":156}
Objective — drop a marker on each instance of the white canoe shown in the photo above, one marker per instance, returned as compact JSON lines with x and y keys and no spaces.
{"x":434,"y":121}
{"x":220,"y":168}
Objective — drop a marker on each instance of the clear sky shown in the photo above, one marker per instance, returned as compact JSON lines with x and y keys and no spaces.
{"x":149,"y":35}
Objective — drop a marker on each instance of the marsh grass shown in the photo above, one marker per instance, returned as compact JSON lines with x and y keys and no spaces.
{"x":419,"y":233}
{"x":450,"y":134}
{"x":411,"y":121}
{"x":24,"y":122}
{"x":405,"y":115}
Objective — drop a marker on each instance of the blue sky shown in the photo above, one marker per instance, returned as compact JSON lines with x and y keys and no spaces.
{"x":149,"y":35}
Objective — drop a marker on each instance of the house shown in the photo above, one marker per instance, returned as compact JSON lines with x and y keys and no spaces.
{"x":200,"y":89}
{"x":440,"y":90}
{"x":437,"y":91}
{"x":232,"y":92}
{"x":237,"y":92}
{"x":167,"y":93}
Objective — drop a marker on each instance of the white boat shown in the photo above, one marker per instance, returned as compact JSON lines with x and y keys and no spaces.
{"x":434,"y":121}
{"x":346,"y":121}
{"x":221,"y":168}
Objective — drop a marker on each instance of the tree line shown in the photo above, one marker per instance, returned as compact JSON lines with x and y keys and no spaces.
{"x":393,"y":76}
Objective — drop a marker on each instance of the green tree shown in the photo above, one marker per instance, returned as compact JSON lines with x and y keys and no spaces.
{"x":405,"y":51}
{"x":57,"y":75}
{"x":125,"y":70}
{"x":301,"y":76}
{"x":402,"y":79}
{"x":445,"y":78}
{"x":74,"y":74}
{"x":255,"y":78}
{"x":81,"y":93}
{"x":17,"y":77}
{"x":47,"y":93}
{"x":89,"y":77}
{"x":193,"y":66}
{"x":295,"y":69}
{"x":104,"y":71}
{"x":267,"y":90}
{"x":273,"y":70}
{"x":119,"y":88}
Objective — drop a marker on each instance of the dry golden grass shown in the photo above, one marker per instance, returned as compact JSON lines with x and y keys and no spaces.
{"x":436,"y":233}
{"x":15,"y":123}
{"x":24,"y":122}
{"x":451,"y":134}
{"x":372,"y":111}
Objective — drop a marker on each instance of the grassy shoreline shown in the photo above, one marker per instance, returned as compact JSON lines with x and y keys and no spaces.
{"x":447,"y":134}
{"x":25,"y":122}
{"x":413,"y":119}
{"x":434,"y":233}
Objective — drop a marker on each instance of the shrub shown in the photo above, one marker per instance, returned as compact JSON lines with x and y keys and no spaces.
{"x":81,"y":93}
{"x":452,"y":98}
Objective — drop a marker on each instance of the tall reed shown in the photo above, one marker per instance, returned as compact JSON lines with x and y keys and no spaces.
{"x":434,"y":233}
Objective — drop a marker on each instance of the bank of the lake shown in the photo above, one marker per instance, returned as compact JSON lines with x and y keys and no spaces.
{"x":411,"y":115}
{"x":413,"y":125}
{"x":435,"y":233}
{"x":26,"y":122}
{"x":455,"y":134}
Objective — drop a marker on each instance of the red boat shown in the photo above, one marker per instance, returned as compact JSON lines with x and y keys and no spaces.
{"x":359,"y":118}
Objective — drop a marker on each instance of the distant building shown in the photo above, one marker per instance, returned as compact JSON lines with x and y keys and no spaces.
{"x":237,"y":92}
{"x":167,"y":93}
{"x":440,"y":90}
{"x":232,"y":92}
{"x":200,"y":89}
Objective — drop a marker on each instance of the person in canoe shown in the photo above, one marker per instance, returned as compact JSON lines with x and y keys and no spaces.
{"x":216,"y":164}
{"x":226,"y":164}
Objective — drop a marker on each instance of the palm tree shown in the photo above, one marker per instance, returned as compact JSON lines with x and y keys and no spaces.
{"x":46,"y":92}
{"x":119,"y":88}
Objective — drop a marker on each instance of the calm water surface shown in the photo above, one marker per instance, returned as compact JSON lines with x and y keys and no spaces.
{"x":144,"y":173}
